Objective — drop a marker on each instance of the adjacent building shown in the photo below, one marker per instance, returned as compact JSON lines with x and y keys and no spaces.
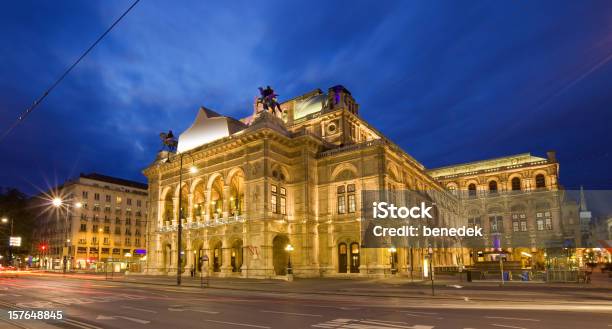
{"x":92,"y":222}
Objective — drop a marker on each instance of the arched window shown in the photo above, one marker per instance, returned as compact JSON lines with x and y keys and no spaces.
{"x":472,"y":190}
{"x":540,"y":181}
{"x":493,"y":186}
{"x":516,"y":184}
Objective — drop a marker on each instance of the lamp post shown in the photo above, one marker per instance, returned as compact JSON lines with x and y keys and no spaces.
{"x":392,"y":251}
{"x":58,"y":203}
{"x":99,"y":250}
{"x":5,"y":220}
{"x":289,"y":249}
{"x":193,"y":169}
{"x":431,"y":273}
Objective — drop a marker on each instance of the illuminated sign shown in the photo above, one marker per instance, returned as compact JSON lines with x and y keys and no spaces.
{"x":15,"y":241}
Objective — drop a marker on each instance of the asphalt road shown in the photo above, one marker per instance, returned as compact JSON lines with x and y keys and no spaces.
{"x":92,"y":304}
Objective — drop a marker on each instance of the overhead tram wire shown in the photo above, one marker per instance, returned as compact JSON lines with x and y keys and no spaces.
{"x":37,"y":102}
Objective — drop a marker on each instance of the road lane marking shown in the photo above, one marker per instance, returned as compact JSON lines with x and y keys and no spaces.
{"x":290,"y":313}
{"x":506,"y":326}
{"x":237,"y":324}
{"x":80,"y":324}
{"x":203,"y":311}
{"x":173,"y":309}
{"x":138,"y":309}
{"x":115,"y":317}
{"x":515,"y":319}
{"x":393,"y":324}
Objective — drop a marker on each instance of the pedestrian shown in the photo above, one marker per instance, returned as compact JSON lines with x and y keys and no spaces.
{"x":192,"y":271}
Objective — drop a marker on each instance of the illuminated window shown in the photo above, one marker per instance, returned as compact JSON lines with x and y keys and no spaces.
{"x":497,"y":224}
{"x":278,"y":200}
{"x":519,"y":222}
{"x":543,"y":220}
{"x":474,"y":221}
{"x":346,"y":198}
{"x":118,"y":200}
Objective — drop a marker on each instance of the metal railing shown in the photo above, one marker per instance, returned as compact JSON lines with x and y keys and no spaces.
{"x":203,"y":224}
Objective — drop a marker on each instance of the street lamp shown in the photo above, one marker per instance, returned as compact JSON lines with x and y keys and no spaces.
{"x":193,"y":169}
{"x":392,"y":250}
{"x":57,"y":202}
{"x":99,"y":250}
{"x":5,"y":220}
{"x":289,"y":249}
{"x":431,"y":273}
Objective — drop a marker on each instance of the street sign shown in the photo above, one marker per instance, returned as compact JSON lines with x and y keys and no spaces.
{"x":15,"y":241}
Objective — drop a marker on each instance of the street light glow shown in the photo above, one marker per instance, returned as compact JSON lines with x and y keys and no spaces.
{"x":57,"y":202}
{"x":289,"y":248}
{"x":78,"y":205}
{"x":193,"y":169}
{"x":4,"y":220}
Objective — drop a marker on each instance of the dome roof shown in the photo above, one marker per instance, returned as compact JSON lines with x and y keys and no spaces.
{"x":207,"y":127}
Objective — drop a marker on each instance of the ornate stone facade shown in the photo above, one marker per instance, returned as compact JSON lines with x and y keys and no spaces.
{"x":273,"y":181}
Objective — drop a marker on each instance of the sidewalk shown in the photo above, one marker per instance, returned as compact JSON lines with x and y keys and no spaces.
{"x":399,"y":287}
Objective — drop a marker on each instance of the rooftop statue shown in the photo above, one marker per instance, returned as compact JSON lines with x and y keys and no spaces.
{"x":168,"y":141}
{"x":268,"y":98}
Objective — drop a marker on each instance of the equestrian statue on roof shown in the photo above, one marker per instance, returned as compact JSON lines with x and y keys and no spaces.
{"x":269,"y":99}
{"x":169,"y":142}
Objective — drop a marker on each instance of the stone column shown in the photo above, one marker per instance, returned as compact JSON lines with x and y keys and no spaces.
{"x":226,"y":258}
{"x":225,"y":206}
{"x":190,"y":207}
{"x":175,"y":214}
{"x":206,"y":208}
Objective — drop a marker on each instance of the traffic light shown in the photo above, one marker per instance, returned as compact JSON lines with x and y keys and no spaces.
{"x":43,"y":247}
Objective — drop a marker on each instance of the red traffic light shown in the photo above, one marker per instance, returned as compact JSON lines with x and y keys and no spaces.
{"x":43,"y":247}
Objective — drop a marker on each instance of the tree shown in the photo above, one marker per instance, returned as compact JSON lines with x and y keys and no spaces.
{"x":14,"y":206}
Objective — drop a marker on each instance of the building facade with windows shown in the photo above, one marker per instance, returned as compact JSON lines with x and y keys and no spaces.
{"x":100,"y":224}
{"x":249,"y":188}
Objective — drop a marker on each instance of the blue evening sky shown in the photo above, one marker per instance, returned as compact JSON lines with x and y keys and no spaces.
{"x":449,"y":81}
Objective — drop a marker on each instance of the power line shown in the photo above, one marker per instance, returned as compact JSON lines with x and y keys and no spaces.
{"x":34,"y":105}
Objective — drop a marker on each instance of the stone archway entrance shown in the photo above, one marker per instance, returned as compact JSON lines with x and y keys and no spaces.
{"x":217,"y":256}
{"x":342,"y":257}
{"x":280,"y":257}
{"x":355,"y":259}
{"x":236,"y":255}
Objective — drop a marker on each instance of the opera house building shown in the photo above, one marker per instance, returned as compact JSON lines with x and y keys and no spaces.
{"x":274,"y":191}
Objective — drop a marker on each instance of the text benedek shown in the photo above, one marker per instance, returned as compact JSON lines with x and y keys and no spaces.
{"x":383,"y":210}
